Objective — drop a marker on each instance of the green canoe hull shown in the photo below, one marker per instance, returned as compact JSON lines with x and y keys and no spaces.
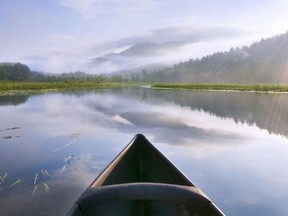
{"x":142,"y":181}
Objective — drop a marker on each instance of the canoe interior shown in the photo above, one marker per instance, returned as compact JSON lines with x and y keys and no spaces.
{"x":140,"y":161}
{"x":141,"y":181}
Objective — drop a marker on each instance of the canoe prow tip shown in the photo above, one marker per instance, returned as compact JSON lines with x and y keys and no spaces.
{"x":140,"y":136}
{"x":140,"y":140}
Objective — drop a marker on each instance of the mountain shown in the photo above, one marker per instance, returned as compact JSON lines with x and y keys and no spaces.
{"x":263,"y":62}
{"x":137,"y":55}
{"x":148,"y":49}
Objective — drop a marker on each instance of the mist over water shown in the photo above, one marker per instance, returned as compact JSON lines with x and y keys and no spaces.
{"x":232,"y":145}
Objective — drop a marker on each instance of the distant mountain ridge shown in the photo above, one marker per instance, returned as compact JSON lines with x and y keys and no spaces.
{"x":133,"y":57}
{"x":147,"y":49}
{"x":265,"y":61}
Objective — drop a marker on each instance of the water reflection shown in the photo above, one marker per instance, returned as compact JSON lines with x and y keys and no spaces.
{"x":60,"y":142}
{"x":266,"y":111}
{"x":13,"y":100}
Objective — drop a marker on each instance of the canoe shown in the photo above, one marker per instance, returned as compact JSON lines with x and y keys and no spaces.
{"x":142,"y":181}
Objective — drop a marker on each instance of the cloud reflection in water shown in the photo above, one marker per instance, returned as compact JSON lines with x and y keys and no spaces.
{"x":232,"y":162}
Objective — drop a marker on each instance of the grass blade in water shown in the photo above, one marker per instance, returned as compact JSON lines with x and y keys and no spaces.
{"x":63,"y":168}
{"x":34,"y":190}
{"x":46,"y":187}
{"x":2,"y":179}
{"x":35,"y":179}
{"x":47,"y":173}
{"x":67,"y":159}
{"x":65,"y":146}
{"x":19,"y":181}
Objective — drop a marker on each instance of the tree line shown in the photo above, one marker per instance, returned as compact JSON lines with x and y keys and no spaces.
{"x":18,"y":72}
{"x":265,"y":61}
{"x":15,"y":72}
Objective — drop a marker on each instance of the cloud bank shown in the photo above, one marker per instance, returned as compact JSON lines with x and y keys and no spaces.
{"x":167,"y":45}
{"x":102,"y":36}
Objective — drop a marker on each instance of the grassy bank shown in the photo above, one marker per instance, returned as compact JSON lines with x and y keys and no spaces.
{"x":226,"y":87}
{"x":24,"y":87}
{"x":30,"y":87}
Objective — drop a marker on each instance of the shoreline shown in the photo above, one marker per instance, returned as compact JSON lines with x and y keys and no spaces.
{"x":257,"y":88}
{"x":24,"y":88}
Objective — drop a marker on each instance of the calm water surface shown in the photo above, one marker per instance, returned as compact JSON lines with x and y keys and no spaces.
{"x":232,"y":145}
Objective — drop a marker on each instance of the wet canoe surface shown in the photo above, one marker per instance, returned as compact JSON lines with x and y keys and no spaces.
{"x":141,"y":181}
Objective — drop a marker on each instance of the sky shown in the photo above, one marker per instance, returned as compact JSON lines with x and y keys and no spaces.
{"x":103,"y":36}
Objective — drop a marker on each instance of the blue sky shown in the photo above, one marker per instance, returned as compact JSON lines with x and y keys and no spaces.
{"x":64,"y":35}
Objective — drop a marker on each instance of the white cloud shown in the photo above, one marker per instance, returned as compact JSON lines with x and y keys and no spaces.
{"x":91,"y":8}
{"x":64,"y":53}
{"x":87,"y":8}
{"x":119,"y":119}
{"x":34,"y":36}
{"x":132,"y":7}
{"x":178,"y":28}
{"x":61,"y":53}
{"x":168,"y":45}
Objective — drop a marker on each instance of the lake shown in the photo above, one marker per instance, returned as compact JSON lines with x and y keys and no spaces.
{"x":232,"y":145}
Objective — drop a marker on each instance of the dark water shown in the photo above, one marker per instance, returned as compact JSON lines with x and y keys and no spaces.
{"x":232,"y":145}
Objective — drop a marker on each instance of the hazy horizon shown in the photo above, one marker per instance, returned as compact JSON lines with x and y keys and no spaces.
{"x":98,"y":36}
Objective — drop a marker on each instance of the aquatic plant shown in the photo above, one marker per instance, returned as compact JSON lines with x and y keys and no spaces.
{"x":47,"y":173}
{"x":35,"y":179}
{"x":42,"y":176}
{"x":46,"y":187}
{"x":13,"y":128}
{"x":63,"y":168}
{"x":19,"y":181}
{"x":65,"y":146}
{"x":67,"y":159}
{"x":2,"y":178}
{"x":34,"y":189}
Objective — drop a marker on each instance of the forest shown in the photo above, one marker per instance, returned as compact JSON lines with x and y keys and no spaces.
{"x":18,"y":72}
{"x":265,"y":61}
{"x":15,"y":72}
